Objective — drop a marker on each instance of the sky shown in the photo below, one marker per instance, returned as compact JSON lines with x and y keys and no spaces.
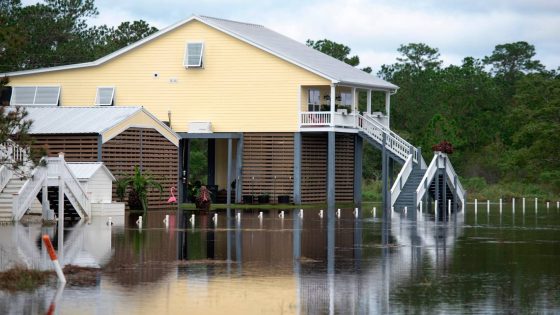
{"x":373,"y":29}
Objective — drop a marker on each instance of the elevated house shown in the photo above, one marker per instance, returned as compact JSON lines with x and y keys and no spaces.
{"x":281,"y":118}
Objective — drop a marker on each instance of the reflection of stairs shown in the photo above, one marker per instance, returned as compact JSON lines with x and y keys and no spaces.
{"x":408,"y":192}
{"x":6,"y":197}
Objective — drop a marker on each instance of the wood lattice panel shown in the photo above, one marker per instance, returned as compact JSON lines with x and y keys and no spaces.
{"x":76,"y":147}
{"x":148,"y":149}
{"x":268,"y":164}
{"x":313,"y":168}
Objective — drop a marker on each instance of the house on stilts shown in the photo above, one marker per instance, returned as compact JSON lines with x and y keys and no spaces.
{"x":280,"y":118}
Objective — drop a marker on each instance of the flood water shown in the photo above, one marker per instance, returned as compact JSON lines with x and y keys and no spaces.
{"x":492,"y":262}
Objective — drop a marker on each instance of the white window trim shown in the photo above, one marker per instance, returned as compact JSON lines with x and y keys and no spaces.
{"x":186,"y":57}
{"x":96,"y":103}
{"x":14,"y":93}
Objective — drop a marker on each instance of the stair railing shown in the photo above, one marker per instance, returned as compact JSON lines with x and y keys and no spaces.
{"x":454,"y":181}
{"x":22,"y":200}
{"x":10,"y":151}
{"x":78,"y":197}
{"x":395,"y":143}
{"x":5,"y":175}
{"x":427,"y":178}
{"x":401,"y":179}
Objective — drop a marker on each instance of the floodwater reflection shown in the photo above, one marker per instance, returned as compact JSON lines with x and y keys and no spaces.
{"x":245,"y":262}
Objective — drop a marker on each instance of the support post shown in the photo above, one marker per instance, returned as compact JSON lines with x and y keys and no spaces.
{"x":297,"y":168}
{"x":229,"y":165}
{"x":211,"y":160}
{"x":333,"y":103}
{"x":391,"y":171}
{"x":331,"y":151}
{"x":60,"y":232}
{"x":385,"y":178}
{"x":369,"y":102}
{"x":239,"y":169}
{"x":358,"y":151}
{"x":45,"y":201}
{"x":388,"y":108}
{"x":455,"y":194}
{"x":183,"y":170}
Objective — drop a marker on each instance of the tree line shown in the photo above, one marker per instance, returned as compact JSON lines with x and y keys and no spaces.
{"x":500,"y":112}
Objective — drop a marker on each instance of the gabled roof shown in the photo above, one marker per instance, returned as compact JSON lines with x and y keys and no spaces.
{"x":85,"y":170}
{"x":259,"y":36}
{"x":66,"y":119}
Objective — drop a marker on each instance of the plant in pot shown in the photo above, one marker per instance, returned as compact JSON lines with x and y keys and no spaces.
{"x":264,"y":198}
{"x":203,"y":199}
{"x":138,"y":185}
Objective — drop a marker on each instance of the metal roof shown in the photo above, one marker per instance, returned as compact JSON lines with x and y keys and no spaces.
{"x":265,"y":39}
{"x":66,"y":119}
{"x":85,"y":170}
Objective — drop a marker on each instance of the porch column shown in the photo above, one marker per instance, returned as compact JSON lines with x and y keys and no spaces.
{"x":331,"y":151}
{"x":388,"y":108}
{"x":333,"y":103}
{"x":386,"y":192}
{"x":211,"y":162}
{"x":358,"y":146}
{"x":229,"y":162}
{"x":369,"y":102}
{"x":239,"y":167}
{"x":297,"y":168}
{"x":355,"y":106}
{"x":183,"y":170}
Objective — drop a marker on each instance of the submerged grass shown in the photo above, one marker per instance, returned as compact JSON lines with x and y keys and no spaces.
{"x":20,"y":278}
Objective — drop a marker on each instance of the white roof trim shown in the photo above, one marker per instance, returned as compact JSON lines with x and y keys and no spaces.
{"x":171,"y":28}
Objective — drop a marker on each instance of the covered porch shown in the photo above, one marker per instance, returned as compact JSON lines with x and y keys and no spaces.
{"x":320,"y":111}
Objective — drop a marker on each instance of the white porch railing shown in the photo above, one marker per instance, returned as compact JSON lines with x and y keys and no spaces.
{"x":344,"y":120}
{"x":22,"y":200}
{"x":401,"y":179}
{"x":75,"y":192}
{"x":10,"y":151}
{"x":319,"y":119}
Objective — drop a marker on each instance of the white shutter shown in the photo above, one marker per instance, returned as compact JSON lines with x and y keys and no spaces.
{"x":35,"y":95}
{"x":104,"y":96}
{"x":193,"y":55}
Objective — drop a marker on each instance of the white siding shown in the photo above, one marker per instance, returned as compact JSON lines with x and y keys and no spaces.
{"x":100,"y":186}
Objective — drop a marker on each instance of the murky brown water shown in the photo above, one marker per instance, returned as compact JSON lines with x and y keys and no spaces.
{"x":488,"y":263}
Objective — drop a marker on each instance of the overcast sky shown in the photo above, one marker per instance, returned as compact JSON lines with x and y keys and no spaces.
{"x":374,"y":29}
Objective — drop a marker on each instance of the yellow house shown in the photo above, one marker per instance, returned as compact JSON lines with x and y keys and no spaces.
{"x":282,"y":119}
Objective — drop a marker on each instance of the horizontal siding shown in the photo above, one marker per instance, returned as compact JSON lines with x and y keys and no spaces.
{"x":240,"y":89}
{"x":100,"y":186}
{"x":76,"y":148}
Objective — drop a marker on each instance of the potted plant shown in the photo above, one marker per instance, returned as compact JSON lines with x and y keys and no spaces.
{"x":443,"y":147}
{"x":138,"y":186}
{"x":203,"y":199}
{"x":264,"y":198}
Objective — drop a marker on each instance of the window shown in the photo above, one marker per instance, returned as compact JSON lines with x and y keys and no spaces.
{"x":104,"y":96}
{"x":35,"y":95}
{"x":346,"y":99}
{"x":193,"y":55}
{"x":314,"y":101}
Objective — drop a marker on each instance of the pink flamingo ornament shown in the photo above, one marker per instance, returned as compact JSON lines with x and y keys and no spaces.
{"x":172,"y":199}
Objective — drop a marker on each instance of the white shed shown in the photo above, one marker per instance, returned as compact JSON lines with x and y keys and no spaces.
{"x":96,"y":179}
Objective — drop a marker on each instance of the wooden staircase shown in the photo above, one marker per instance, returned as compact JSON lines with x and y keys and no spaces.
{"x":408,"y":191}
{"x":6,"y":199}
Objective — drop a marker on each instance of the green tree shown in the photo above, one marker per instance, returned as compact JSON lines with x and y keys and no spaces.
{"x":335,"y":50}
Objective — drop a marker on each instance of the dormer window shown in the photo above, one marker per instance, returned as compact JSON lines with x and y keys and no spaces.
{"x":104,"y":96}
{"x":193,"y":55}
{"x":35,"y":95}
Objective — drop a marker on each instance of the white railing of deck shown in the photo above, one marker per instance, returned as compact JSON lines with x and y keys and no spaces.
{"x":11,"y":152}
{"x":315,"y":118}
{"x":77,"y":195}
{"x":5,"y":175}
{"x":344,"y":120}
{"x":22,"y":200}
{"x":394,"y":142}
{"x":399,"y":183}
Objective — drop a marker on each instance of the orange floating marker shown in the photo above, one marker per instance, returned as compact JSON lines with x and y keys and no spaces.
{"x":54,"y":259}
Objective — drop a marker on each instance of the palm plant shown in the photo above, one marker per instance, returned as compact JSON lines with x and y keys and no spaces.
{"x":138,"y":185}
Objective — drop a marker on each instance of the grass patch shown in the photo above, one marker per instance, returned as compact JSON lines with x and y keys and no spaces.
{"x":20,"y":278}
{"x":478,"y":188}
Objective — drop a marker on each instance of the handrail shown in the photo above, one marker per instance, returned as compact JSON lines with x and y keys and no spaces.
{"x":12,"y":152}
{"x":393,"y":142}
{"x":24,"y":197}
{"x":58,"y":167}
{"x":5,"y":175}
{"x":399,"y":183}
{"x":427,"y":179}
{"x":451,"y":174}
